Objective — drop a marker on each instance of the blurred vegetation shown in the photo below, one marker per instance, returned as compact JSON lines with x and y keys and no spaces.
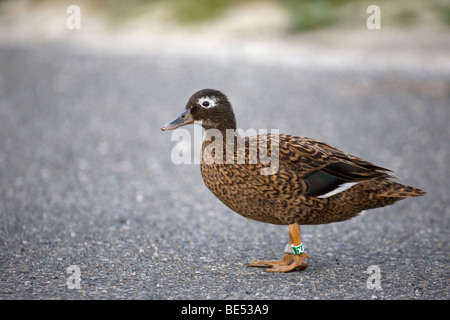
{"x":406,"y":17}
{"x":444,"y":12}
{"x":189,"y":11}
{"x":184,"y":11}
{"x":302,"y":14}
{"x":307,"y":14}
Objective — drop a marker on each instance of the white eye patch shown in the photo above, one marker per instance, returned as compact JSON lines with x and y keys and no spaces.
{"x":207,"y":102}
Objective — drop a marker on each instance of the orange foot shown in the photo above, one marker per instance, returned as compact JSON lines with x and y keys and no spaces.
{"x":289,"y":263}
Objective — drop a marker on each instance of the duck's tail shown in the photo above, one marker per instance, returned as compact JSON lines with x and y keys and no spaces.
{"x":366,"y":195}
{"x":392,"y":189}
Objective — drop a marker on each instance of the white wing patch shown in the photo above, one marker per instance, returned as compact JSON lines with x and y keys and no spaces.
{"x":339,"y":189}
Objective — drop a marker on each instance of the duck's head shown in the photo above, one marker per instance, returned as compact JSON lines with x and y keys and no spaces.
{"x":209,"y":106}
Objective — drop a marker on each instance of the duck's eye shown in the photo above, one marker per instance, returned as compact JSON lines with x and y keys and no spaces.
{"x":207,"y":102}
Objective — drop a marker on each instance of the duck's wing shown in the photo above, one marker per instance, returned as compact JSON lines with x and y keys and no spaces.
{"x":325,"y":169}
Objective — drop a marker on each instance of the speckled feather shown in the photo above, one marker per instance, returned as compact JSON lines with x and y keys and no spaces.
{"x":283,"y":198}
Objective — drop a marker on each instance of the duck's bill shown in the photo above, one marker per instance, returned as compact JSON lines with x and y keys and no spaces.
{"x":184,"y":119}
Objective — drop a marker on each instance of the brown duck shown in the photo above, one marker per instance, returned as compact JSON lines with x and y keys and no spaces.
{"x":308,"y":181}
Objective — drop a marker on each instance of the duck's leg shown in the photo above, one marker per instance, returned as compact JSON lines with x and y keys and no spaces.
{"x":290,"y":261}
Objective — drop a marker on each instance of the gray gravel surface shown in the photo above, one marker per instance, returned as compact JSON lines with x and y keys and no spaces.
{"x":86,"y":178}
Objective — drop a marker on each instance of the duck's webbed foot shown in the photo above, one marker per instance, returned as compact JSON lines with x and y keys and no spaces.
{"x":290,"y":262}
{"x":294,"y":256}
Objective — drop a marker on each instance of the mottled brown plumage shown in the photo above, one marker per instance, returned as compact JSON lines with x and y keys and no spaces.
{"x":300,"y":190}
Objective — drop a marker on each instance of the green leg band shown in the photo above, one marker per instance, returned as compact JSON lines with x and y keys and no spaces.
{"x":298,"y":249}
{"x":294,"y":249}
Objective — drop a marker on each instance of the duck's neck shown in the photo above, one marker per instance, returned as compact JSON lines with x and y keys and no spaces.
{"x":220,"y":128}
{"x":213,"y":134}
{"x":223,"y":126}
{"x":218,"y":141}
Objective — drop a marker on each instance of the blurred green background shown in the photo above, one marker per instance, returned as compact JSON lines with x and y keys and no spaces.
{"x":301,"y":15}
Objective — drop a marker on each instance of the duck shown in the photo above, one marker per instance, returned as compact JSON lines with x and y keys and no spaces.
{"x":283,"y":179}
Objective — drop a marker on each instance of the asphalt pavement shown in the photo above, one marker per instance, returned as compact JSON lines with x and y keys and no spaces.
{"x":87,"y":182}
